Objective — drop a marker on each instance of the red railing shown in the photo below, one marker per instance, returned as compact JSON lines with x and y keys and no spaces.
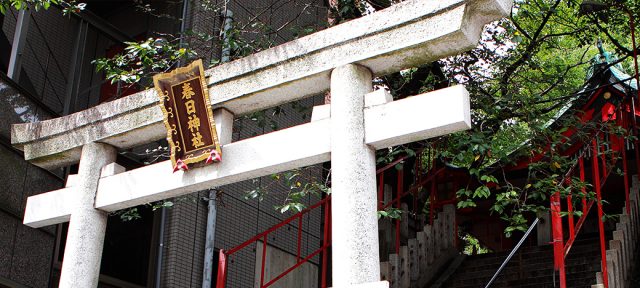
{"x":263,"y":237}
{"x":599,"y":175}
{"x":422,"y":179}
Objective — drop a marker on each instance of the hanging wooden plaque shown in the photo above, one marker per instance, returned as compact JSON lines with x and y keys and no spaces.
{"x":184,"y":100}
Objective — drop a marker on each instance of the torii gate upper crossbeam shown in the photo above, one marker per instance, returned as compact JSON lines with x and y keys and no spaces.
{"x":405,"y":35}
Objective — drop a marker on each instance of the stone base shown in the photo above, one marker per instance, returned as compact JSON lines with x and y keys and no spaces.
{"x":381,"y":284}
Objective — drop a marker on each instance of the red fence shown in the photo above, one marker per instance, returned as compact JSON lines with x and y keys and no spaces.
{"x":601,"y":167}
{"x":426,"y":176}
{"x":263,"y":237}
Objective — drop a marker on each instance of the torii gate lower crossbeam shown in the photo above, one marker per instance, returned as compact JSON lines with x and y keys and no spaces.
{"x":349,"y":136}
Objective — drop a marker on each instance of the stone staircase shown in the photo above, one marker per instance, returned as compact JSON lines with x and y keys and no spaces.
{"x":622,"y":252}
{"x":530,"y":267}
{"x":425,"y":254}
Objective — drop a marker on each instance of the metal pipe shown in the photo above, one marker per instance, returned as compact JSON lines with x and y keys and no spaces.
{"x":19,"y":40}
{"x":513,"y":252}
{"x":163,"y":220}
{"x":225,"y":55}
{"x":210,"y":239}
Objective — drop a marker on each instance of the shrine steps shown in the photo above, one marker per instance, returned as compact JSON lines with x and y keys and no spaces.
{"x":531,"y":267}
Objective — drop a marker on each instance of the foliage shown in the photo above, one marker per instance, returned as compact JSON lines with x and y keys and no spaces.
{"x":524,"y":70}
{"x":68,"y":7}
{"x":142,"y":60}
{"x":298,"y":184}
{"x":472,"y":245}
{"x":390,"y":213}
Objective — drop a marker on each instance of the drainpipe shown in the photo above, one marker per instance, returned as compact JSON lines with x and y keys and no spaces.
{"x":226,"y":48}
{"x":210,"y":238}
{"x":19,"y":40}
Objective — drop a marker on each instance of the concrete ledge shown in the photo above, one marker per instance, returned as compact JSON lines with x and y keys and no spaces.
{"x":405,"y":35}
{"x":49,"y":208}
{"x":424,"y":116}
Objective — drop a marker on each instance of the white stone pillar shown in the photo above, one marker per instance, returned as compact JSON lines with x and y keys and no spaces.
{"x":85,"y":239}
{"x":356,"y":258}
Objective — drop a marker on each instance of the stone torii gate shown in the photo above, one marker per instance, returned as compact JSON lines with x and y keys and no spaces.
{"x":343,"y":59}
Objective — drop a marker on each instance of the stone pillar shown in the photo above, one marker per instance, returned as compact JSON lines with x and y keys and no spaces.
{"x":544,"y":228}
{"x":85,"y":239}
{"x":356,"y":258}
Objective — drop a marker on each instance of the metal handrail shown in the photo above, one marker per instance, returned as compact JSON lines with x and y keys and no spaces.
{"x":300,"y":259}
{"x":513,"y":252}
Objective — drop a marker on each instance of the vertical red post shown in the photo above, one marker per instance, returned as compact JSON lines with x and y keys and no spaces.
{"x":325,"y":244}
{"x":399,"y":191}
{"x":636,"y":142}
{"x":222,"y":270}
{"x":602,"y":155}
{"x":401,"y":181}
{"x":380,"y":190}
{"x":558,"y":238}
{"x":596,"y":184}
{"x":397,"y":204}
{"x":584,"y":189}
{"x":264,"y":260}
{"x":432,"y":202}
{"x":624,"y":164}
{"x":456,"y":186}
{"x":572,"y":229}
{"x":299,"y":237}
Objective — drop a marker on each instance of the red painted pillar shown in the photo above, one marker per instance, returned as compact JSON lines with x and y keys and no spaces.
{"x":584,"y":189}
{"x":596,"y":184}
{"x":624,"y":164}
{"x":222,"y":270}
{"x":558,"y":239}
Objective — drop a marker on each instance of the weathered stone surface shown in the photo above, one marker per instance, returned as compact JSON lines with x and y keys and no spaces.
{"x":422,"y":249}
{"x":405,"y":35}
{"x":87,"y":226}
{"x":405,"y":271}
{"x":385,"y":271}
{"x":122,"y":123}
{"x":414,"y":262}
{"x":356,"y":257}
{"x":394,"y":260}
{"x":428,"y":230}
{"x":617,"y":246}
